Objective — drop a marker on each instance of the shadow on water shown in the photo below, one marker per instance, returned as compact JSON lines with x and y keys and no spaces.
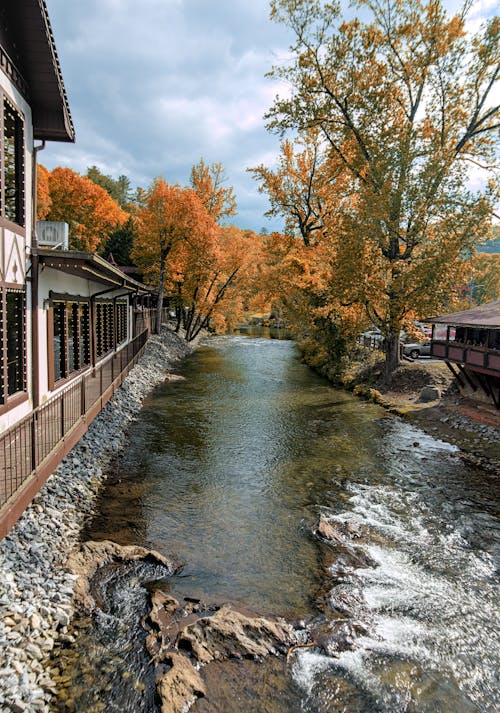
{"x":229,"y":468}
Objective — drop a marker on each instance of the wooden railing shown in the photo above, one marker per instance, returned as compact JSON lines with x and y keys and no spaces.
{"x":146,"y":319}
{"x":32,"y":448}
{"x":470,"y":355}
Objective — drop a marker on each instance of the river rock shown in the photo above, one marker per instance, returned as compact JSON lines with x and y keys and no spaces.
{"x":327,"y":530}
{"x":429,"y":393}
{"x":337,"y":635}
{"x":180,"y":686}
{"x":85,"y":561}
{"x":162,"y":604}
{"x":231,"y":634}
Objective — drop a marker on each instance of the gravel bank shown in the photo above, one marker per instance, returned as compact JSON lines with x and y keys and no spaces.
{"x":35,"y":590}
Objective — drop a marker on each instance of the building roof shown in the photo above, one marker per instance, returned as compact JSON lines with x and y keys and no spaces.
{"x":487,"y":315}
{"x":29,"y":58}
{"x":88,"y":266}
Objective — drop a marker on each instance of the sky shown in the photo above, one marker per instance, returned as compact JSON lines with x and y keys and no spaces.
{"x":156,"y":85}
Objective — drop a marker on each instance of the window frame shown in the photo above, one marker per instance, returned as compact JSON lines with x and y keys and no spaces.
{"x":20,"y":168}
{"x":7,"y":400}
{"x":80,"y":337}
{"x":107,"y":327}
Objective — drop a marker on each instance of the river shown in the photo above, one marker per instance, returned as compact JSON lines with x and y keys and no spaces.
{"x":229,"y":468}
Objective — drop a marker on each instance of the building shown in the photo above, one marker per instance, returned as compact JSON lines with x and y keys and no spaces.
{"x":71,"y":324}
{"x":469,"y":342}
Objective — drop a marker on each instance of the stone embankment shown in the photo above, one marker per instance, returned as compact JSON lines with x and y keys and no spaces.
{"x":36,"y":589}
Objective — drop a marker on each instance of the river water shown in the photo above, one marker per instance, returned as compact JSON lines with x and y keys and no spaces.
{"x":229,"y":468}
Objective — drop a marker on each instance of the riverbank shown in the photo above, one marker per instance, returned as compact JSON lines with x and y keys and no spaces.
{"x":36,"y":591}
{"x":423,"y":392}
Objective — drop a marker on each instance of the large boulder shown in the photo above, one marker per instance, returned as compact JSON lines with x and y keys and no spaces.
{"x":231,"y":634}
{"x":179,"y":687}
{"x":429,"y":393}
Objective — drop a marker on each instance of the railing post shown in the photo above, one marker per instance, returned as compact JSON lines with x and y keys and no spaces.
{"x":62,"y":416}
{"x":82,"y":396}
{"x":33,"y":442}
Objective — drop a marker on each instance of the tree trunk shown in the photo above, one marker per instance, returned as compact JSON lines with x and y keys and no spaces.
{"x":161,"y":288}
{"x":392,"y":355}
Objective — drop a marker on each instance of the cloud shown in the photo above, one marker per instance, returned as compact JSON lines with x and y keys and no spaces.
{"x":154,"y":86}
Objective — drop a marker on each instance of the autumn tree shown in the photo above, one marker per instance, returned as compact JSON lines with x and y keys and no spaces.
{"x":168,"y":217}
{"x":300,"y":186}
{"x":43,"y":199}
{"x":207,"y":182}
{"x":211,"y":275}
{"x":403,"y":101}
{"x":485,"y":283}
{"x":87,"y":208}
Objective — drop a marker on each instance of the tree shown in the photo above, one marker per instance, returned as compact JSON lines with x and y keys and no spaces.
{"x":43,"y":199}
{"x":120,"y":242}
{"x":485,"y":285}
{"x":296,"y":188}
{"x":207,"y":182}
{"x":168,"y":218}
{"x":210,"y":275}
{"x":404,"y":102}
{"x":88,"y":209}
{"x":119,"y":189}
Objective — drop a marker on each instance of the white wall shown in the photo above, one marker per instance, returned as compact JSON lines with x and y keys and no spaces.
{"x":60,"y":283}
{"x":14,"y":247}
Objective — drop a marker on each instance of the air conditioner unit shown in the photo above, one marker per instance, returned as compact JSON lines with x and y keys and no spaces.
{"x":52,"y":234}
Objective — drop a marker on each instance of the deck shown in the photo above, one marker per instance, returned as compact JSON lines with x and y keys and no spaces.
{"x":32,"y":448}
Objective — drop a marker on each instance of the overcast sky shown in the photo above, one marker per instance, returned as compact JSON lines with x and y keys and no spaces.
{"x":156,"y":85}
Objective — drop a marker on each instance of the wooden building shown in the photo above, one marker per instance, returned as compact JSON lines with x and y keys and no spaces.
{"x":71,"y":324}
{"x":469,"y":342}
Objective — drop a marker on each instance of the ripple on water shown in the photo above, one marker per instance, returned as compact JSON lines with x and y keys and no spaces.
{"x":234,"y":464}
{"x":430,"y":605}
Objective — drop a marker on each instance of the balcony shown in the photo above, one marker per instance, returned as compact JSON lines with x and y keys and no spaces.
{"x":478,"y":358}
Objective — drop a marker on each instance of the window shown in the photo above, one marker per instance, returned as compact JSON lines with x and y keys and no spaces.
{"x":71,"y":337}
{"x":107,"y":336}
{"x":13,"y":343}
{"x":12,"y":193}
{"x":121,"y":321}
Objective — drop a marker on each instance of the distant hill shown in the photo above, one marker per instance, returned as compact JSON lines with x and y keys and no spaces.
{"x":492,"y":246}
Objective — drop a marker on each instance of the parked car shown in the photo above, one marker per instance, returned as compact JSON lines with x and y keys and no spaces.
{"x":417,"y":350}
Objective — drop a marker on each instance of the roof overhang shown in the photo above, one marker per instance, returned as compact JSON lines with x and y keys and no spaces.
{"x":31,"y":61}
{"x":485,"y":316}
{"x":88,"y":266}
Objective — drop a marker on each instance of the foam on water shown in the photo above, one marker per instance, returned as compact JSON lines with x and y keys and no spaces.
{"x":430,"y":604}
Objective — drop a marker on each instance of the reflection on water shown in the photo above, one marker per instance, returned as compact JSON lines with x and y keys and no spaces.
{"x":229,"y":469}
{"x":236,"y":459}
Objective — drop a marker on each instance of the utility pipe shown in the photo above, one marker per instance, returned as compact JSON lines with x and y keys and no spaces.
{"x":35,"y":366}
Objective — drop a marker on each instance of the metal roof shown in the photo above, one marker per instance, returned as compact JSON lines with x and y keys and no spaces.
{"x":88,"y":266}
{"x":29,"y":44}
{"x":487,"y":315}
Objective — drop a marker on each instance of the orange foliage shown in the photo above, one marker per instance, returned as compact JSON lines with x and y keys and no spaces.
{"x":88,"y":209}
{"x":43,"y":199}
{"x":402,"y":100}
{"x":207,"y":182}
{"x":168,"y":217}
{"x":210,"y":279}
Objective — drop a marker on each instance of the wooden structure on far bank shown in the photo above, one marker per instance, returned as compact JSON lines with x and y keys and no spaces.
{"x":469,"y":343}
